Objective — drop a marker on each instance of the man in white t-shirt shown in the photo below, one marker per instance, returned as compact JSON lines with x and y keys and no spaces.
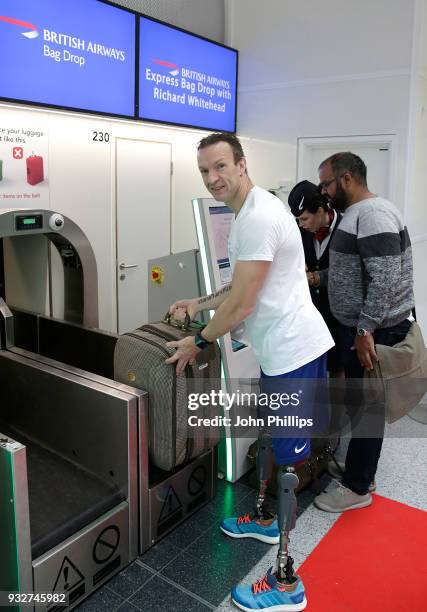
{"x":269,"y":291}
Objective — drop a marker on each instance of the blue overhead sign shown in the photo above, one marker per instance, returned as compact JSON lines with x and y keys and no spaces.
{"x":78,"y":54}
{"x":185,"y":79}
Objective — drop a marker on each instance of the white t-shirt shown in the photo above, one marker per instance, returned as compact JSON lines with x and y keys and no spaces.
{"x":286,"y":329}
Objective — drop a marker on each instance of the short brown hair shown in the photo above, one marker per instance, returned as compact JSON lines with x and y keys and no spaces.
{"x":231,"y":139}
{"x":347,"y":162}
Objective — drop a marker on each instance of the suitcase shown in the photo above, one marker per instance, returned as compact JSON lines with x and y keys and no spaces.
{"x":34,"y":169}
{"x":139,"y":360}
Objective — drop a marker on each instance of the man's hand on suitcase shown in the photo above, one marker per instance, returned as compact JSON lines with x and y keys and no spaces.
{"x":179,"y":309}
{"x":186,"y":351}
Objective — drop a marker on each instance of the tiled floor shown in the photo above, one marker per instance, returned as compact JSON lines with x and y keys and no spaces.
{"x":195,"y":567}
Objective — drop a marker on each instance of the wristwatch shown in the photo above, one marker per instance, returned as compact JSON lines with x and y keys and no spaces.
{"x":362,"y":332}
{"x":200,"y":342}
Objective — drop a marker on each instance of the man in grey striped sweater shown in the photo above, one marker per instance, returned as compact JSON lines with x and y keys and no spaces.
{"x":370,"y":287}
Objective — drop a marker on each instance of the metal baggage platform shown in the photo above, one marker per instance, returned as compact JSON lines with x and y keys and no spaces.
{"x":81,"y":500}
{"x":77,"y":476}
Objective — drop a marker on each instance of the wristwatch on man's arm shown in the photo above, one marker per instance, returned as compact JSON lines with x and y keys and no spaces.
{"x":200,"y":342}
{"x":362,"y":332}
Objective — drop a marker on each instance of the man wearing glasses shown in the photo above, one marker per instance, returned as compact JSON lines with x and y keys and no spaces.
{"x":370,"y":288}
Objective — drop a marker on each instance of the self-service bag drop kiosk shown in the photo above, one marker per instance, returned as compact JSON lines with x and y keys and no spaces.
{"x":60,"y":406}
{"x":213,"y":222}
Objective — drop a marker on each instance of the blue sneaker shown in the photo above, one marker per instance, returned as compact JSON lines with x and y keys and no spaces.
{"x":269,"y":595}
{"x":251,"y":526}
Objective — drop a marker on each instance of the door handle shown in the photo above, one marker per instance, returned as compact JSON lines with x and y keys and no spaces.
{"x":124,"y":266}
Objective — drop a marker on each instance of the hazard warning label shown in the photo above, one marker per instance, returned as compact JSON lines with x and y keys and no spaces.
{"x":172,"y":507}
{"x":69,"y":576}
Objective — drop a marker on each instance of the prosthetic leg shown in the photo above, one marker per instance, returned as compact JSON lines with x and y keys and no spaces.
{"x":287,"y":515}
{"x":282,"y":589}
{"x":287,"y":482}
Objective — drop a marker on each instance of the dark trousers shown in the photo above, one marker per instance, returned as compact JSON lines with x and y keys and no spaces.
{"x":363,"y":451}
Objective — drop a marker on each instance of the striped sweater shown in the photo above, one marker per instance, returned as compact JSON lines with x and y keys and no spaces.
{"x":370,"y":279}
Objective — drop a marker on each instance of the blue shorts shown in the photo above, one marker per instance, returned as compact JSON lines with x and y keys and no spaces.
{"x":291,"y":450}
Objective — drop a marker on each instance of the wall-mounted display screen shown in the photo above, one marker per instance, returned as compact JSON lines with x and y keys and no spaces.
{"x":185,"y":79}
{"x":78,"y":54}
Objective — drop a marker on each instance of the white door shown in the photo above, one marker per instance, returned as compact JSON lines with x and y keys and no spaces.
{"x":143,"y":214}
{"x":375,"y":153}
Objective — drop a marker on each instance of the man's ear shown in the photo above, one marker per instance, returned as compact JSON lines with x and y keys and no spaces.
{"x":242,"y":165}
{"x":347,"y":177}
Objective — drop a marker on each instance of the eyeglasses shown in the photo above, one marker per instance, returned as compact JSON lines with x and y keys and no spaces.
{"x":326,"y":184}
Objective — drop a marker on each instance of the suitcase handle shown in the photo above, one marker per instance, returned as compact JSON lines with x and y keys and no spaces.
{"x":182,"y":325}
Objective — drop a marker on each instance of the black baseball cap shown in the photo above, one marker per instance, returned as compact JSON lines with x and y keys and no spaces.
{"x":302,"y":195}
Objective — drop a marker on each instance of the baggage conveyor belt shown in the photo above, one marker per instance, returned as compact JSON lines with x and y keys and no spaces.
{"x":63,"y":497}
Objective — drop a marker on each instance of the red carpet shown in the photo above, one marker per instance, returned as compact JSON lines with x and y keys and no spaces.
{"x":372,"y":560}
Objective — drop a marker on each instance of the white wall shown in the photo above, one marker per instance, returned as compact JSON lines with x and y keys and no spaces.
{"x":422,"y":49}
{"x":417,"y":160}
{"x":319,"y":39}
{"x":329,"y":68}
{"x":81,"y":178}
{"x":419,"y":251}
{"x":416,"y":210}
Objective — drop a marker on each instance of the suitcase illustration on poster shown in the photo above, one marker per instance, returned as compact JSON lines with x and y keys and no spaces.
{"x":34,"y":169}
{"x":139,"y":361}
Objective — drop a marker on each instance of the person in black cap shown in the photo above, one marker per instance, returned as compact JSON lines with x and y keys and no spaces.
{"x":317,"y":222}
